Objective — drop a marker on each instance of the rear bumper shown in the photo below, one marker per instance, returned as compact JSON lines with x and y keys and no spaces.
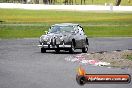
{"x":52,"y":47}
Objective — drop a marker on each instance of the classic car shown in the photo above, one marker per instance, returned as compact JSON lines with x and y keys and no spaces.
{"x":64,"y":36}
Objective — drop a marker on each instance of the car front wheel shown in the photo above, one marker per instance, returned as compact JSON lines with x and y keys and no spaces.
{"x":43,"y":50}
{"x":85,"y":49}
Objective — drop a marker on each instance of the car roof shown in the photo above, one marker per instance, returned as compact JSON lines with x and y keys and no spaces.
{"x":65,"y":24}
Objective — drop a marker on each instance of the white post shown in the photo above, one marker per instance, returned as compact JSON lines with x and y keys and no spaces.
{"x":111,"y":7}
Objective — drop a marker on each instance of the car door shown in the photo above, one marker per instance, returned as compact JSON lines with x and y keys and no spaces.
{"x":80,"y":37}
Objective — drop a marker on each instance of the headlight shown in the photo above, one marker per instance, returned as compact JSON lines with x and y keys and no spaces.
{"x":40,"y":39}
{"x":45,"y":39}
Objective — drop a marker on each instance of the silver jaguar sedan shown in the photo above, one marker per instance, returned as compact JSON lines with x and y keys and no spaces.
{"x":64,"y":36}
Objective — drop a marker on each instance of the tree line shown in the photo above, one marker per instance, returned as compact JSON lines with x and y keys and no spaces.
{"x":13,"y":1}
{"x":44,"y":1}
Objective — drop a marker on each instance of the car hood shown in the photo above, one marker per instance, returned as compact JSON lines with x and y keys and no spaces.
{"x":65,"y":36}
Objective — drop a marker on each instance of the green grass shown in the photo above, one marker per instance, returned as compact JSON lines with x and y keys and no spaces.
{"x":21,"y":32}
{"x":31,"y":23}
{"x":129,"y":57}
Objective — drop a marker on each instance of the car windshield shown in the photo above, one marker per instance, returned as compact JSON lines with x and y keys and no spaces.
{"x":54,"y":29}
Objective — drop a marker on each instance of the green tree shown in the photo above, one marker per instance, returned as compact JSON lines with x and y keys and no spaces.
{"x":118,"y":2}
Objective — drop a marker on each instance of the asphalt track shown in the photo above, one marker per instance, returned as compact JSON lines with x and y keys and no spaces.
{"x":23,"y":66}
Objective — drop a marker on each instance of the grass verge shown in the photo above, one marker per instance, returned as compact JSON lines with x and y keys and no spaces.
{"x":129,"y":57}
{"x":27,"y":23}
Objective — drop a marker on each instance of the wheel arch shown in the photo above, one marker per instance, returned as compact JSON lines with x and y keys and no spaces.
{"x":87,"y":42}
{"x":74,"y":42}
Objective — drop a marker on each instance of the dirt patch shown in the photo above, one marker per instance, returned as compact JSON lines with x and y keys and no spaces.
{"x":117,"y":58}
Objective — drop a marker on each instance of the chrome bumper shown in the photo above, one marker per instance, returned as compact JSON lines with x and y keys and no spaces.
{"x":51,"y":46}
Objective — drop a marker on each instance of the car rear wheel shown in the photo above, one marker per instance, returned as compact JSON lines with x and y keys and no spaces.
{"x":85,"y":49}
{"x":43,"y":50}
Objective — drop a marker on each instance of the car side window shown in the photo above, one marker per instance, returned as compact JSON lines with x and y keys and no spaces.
{"x":80,"y":29}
